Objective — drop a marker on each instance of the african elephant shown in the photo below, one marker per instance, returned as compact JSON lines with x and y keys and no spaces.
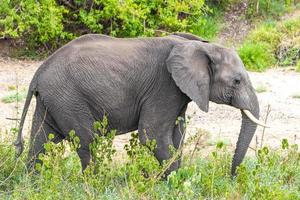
{"x":141,"y":84}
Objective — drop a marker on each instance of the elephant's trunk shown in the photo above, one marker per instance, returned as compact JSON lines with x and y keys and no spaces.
{"x":247,"y":131}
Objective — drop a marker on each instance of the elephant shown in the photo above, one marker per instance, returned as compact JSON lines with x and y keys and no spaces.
{"x":141,"y":84}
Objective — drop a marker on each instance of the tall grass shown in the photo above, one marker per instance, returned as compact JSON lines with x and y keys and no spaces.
{"x":272,"y":174}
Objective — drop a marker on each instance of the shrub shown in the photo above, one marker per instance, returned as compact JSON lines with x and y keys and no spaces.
{"x":36,"y":23}
{"x":50,"y":23}
{"x":268,"y":34}
{"x":133,"y":17}
{"x":256,"y":56}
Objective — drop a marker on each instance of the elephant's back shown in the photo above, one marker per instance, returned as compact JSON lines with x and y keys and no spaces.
{"x":105,"y":60}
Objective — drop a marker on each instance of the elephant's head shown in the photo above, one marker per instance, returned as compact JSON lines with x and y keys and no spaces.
{"x":208,"y":72}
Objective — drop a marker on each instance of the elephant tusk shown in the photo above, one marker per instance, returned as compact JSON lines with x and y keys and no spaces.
{"x":253,"y":119}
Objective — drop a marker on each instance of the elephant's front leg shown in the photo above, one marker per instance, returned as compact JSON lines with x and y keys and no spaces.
{"x":164,"y":143}
{"x":179,"y":133}
{"x":159,"y":125}
{"x":179,"y":129}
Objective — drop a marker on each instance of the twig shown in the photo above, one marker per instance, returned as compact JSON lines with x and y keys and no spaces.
{"x":254,"y":149}
{"x":195,"y":148}
{"x":256,"y":144}
{"x":257,"y":6}
{"x":264,"y":128}
{"x":14,"y":119}
{"x":17,"y":98}
{"x":92,"y":5}
{"x":182,"y":134}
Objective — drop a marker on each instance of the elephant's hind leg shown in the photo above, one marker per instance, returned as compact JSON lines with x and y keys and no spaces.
{"x":77,"y":116}
{"x":42,"y":126}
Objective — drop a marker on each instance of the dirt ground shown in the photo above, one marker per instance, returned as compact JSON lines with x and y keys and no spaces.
{"x":222,"y":122}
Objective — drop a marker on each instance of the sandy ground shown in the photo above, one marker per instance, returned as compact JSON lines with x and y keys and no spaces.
{"x":222,"y":122}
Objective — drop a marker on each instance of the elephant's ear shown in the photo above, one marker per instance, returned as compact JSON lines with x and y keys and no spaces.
{"x":190,"y":65}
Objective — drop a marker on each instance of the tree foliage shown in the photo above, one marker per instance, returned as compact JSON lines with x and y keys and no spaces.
{"x":49,"y":23}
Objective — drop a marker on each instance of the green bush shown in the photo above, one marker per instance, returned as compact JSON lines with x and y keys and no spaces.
{"x":36,"y":23}
{"x":47,"y":24}
{"x":256,"y":56}
{"x":268,"y":34}
{"x":258,"y":51}
{"x":142,"y":17}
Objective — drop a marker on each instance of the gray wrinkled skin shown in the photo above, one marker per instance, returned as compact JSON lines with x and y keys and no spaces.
{"x":140,"y":84}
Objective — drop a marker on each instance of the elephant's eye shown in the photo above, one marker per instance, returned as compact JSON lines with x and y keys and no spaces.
{"x":237,"y":81}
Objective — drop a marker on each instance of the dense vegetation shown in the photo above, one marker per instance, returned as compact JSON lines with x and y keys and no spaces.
{"x":271,"y":174}
{"x":49,"y":23}
{"x":42,"y":26}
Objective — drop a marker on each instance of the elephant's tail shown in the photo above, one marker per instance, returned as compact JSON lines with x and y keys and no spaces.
{"x":19,"y":143}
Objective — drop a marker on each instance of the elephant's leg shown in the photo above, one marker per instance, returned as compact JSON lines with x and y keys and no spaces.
{"x":42,"y":126}
{"x":77,"y":117}
{"x":84,"y":152}
{"x":179,"y":129}
{"x":83,"y":129}
{"x":179,"y":133}
{"x":156,"y":124}
{"x":163,"y":144}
